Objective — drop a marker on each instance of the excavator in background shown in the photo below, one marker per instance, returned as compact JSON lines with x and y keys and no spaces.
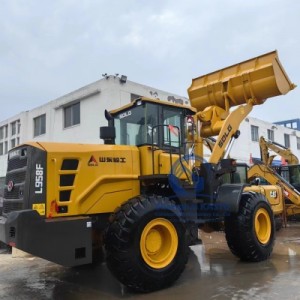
{"x":291,"y":207}
{"x":280,"y":150}
{"x":285,"y":176}
{"x":147,"y":190}
{"x":290,"y":170}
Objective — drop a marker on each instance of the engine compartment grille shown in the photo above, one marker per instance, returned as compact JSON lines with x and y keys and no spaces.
{"x":12,"y":205}
{"x":15,"y":180}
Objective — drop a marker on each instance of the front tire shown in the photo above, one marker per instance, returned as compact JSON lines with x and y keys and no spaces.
{"x":250,"y":233}
{"x":146,"y":244}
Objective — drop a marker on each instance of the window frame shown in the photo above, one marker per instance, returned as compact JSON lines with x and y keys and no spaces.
{"x":2,"y":132}
{"x":270,"y":135}
{"x":254,"y":133}
{"x":39,"y":125}
{"x":5,"y":147}
{"x":12,"y":143}
{"x":287,"y":140}
{"x":298,"y":142}
{"x":74,"y":119}
{"x":13,"y":127}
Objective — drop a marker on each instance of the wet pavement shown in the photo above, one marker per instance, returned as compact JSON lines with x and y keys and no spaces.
{"x":211,"y":273}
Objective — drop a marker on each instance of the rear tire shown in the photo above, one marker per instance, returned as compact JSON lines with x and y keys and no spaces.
{"x":146,"y":244}
{"x":250,"y":233}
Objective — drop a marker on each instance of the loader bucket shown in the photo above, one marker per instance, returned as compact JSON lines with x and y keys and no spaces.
{"x":255,"y":79}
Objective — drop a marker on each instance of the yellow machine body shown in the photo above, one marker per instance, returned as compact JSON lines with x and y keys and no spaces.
{"x":288,"y":191}
{"x":155,"y":162}
{"x":105,"y":177}
{"x":273,"y":194}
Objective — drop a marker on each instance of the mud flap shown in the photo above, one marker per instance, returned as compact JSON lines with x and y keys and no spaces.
{"x":229,"y":195}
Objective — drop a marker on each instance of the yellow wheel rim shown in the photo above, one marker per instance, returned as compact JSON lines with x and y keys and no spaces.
{"x":159,"y":243}
{"x":263,"y":226}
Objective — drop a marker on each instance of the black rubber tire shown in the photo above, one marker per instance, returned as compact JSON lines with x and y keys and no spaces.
{"x":240,"y":231}
{"x":122,"y":243}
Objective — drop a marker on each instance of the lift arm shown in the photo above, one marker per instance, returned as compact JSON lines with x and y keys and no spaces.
{"x":229,"y":131}
{"x":281,"y":150}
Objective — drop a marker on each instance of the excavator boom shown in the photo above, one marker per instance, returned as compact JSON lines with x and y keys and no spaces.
{"x":279,"y":149}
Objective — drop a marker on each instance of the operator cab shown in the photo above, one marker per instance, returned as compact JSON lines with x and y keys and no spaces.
{"x":150,"y":122}
{"x":290,"y":173}
{"x":239,"y":176}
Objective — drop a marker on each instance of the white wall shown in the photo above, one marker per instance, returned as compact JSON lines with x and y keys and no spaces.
{"x":94,"y":98}
{"x":110,"y":94}
{"x":21,"y":117}
{"x":244,"y":146}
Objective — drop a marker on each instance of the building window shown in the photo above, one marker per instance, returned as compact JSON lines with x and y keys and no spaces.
{"x":1,"y":133}
{"x":1,"y":149}
{"x":5,"y":147}
{"x":298,"y":143}
{"x":72,"y":115}
{"x":18,"y":127}
{"x":254,"y":133}
{"x":134,"y":97}
{"x":287,"y":140}
{"x":271,"y":135}
{"x":39,"y":125}
{"x":13,"y":127}
{"x":13,"y":143}
{"x":18,"y":141}
{"x":6,"y":130}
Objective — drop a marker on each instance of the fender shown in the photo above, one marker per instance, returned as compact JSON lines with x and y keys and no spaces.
{"x":230,"y":195}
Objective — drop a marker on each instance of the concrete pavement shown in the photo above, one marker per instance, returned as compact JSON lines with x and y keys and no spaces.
{"x":211,"y":273}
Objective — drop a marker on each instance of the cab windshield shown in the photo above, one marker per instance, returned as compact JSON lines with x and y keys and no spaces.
{"x":292,"y":175}
{"x":149,"y":123}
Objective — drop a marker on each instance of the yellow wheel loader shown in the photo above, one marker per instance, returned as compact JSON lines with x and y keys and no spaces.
{"x":144,"y":193}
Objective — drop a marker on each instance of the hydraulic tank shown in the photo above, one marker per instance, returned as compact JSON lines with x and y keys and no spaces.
{"x":255,"y":79}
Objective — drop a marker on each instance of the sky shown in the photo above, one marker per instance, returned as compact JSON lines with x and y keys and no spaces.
{"x":50,"y":48}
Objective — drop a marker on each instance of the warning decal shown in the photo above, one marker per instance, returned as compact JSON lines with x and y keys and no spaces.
{"x":40,"y":208}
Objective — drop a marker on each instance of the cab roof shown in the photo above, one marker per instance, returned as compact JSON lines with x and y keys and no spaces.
{"x":141,"y":100}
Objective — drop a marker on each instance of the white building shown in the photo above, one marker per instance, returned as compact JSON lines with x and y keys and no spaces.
{"x":247,"y":145}
{"x":77,"y":116}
